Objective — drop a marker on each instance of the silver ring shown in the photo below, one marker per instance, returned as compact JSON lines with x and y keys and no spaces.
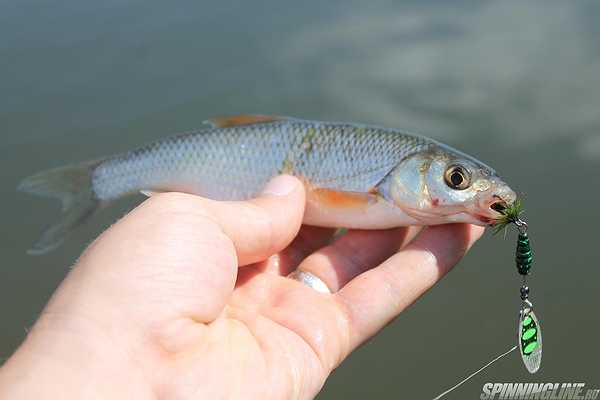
{"x":309,"y":280}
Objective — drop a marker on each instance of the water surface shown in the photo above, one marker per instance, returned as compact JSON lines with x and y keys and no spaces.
{"x":516,"y":84}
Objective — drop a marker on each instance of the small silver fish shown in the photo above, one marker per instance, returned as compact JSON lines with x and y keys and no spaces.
{"x":356,"y":176}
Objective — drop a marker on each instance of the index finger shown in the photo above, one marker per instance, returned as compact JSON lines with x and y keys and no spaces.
{"x":374,"y":298}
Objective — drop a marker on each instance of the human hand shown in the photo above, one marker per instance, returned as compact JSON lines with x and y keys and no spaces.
{"x":187,"y":298}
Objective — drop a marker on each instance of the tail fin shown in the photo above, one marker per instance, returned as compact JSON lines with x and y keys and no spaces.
{"x":72,"y":185}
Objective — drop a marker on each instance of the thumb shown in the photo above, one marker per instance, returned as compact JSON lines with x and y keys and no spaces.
{"x":263,"y":226}
{"x":178,"y":254}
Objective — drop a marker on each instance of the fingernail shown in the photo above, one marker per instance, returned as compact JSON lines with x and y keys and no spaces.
{"x":280,"y":186}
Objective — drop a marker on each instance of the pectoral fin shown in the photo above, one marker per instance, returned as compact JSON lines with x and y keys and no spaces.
{"x":354,"y":210}
{"x":338,"y":199}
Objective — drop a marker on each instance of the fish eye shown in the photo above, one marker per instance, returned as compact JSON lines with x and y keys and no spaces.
{"x":457,"y":177}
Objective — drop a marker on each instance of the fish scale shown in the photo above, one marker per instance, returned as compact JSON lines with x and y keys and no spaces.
{"x":356,"y":176}
{"x":235,"y":163}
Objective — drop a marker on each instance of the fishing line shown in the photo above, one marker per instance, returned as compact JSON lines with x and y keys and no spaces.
{"x":529,"y":341}
{"x":475,"y":373}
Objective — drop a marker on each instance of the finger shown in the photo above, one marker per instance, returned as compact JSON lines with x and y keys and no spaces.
{"x":374,"y":298}
{"x":308,"y":240}
{"x":178,"y":254}
{"x":263,"y":226}
{"x":354,"y":253}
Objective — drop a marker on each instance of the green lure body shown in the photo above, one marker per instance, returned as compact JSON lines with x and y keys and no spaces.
{"x":524,"y":255}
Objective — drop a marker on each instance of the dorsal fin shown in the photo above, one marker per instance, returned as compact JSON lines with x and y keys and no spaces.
{"x":242,"y":119}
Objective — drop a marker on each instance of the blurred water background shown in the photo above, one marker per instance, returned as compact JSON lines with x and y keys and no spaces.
{"x":516,"y":84}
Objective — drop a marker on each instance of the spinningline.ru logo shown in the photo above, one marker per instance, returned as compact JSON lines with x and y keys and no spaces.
{"x":542,"y":391}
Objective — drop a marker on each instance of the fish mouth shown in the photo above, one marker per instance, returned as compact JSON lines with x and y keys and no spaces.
{"x":496,"y":207}
{"x":499,"y":206}
{"x":492,"y":211}
{"x":487,"y":212}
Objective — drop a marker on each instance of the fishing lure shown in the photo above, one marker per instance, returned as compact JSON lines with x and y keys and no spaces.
{"x":529,"y":333}
{"x":529,"y":329}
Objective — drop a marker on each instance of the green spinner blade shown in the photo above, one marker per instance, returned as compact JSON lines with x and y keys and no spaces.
{"x":530,"y":340}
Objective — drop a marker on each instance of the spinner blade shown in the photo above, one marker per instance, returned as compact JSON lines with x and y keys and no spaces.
{"x":530,"y":340}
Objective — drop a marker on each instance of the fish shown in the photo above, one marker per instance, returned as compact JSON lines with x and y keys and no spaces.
{"x":356,"y":176}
